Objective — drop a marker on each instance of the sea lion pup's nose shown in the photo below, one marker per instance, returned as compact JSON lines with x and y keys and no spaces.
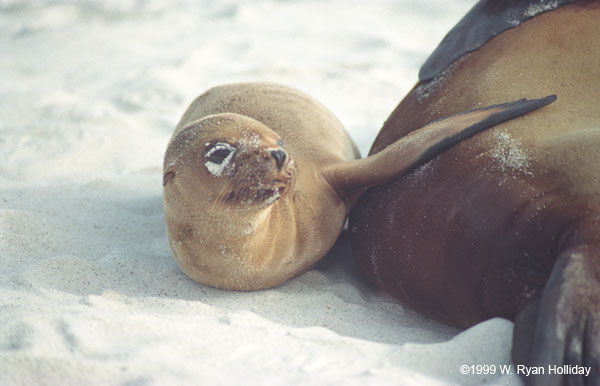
{"x":279,"y":156}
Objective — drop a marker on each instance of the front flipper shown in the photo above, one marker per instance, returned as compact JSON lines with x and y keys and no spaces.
{"x":561,"y":331}
{"x":350,"y":179}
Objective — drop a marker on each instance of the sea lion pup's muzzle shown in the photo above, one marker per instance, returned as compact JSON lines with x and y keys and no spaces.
{"x":260,"y":176}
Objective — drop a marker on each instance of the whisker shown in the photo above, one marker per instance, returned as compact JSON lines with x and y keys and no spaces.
{"x":220,"y":197}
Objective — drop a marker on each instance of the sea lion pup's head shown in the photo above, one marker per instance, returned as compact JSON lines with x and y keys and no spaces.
{"x":228,"y":162}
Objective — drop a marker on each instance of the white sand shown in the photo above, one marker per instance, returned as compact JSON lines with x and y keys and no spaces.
{"x":89,"y":293}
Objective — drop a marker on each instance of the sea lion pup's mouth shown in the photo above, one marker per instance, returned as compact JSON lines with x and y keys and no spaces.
{"x":271,"y":195}
{"x":257,"y":196}
{"x":260,"y":188}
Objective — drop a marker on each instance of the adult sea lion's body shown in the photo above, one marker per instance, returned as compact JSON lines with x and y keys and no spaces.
{"x":510,"y":217}
{"x":259,"y":179}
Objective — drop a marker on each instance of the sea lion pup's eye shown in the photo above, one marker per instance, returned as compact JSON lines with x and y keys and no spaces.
{"x":218,"y":157}
{"x":219,"y":152}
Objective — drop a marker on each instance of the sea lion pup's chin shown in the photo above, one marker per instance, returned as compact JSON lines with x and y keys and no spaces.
{"x":225,"y":173}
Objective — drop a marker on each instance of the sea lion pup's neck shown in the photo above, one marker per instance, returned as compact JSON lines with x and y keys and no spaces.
{"x":351,"y":179}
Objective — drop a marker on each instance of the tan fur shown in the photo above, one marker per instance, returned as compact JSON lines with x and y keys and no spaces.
{"x":260,"y":247}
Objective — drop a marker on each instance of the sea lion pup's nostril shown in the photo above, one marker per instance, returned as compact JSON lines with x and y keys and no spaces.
{"x":279,"y":156}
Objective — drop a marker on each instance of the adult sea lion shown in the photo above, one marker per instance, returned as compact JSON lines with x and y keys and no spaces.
{"x":259,"y":179}
{"x":506,"y":223}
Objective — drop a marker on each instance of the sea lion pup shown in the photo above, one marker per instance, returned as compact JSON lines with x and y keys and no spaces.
{"x":510,"y":217}
{"x":259,"y":179}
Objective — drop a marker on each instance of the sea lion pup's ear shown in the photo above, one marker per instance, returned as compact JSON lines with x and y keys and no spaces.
{"x":168,"y":176}
{"x":350,"y":179}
